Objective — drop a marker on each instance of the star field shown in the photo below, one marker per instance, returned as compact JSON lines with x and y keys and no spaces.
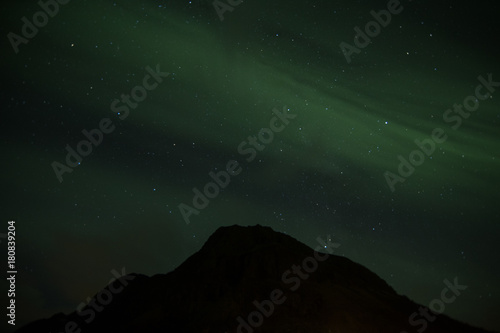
{"x":323,"y":173}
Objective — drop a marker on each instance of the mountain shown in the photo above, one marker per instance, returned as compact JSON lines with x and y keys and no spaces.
{"x":253,"y":279}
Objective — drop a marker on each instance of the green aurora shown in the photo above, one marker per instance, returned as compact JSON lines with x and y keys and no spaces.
{"x":323,"y":174}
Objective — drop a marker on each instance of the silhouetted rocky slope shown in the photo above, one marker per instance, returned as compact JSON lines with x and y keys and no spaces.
{"x":240,"y":265}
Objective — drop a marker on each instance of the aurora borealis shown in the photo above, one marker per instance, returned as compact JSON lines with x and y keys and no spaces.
{"x":323,"y":174}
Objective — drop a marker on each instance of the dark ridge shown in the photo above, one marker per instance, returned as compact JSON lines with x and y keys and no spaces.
{"x":237,"y":266}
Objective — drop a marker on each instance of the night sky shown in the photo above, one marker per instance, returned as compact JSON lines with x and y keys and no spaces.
{"x":326,"y":162}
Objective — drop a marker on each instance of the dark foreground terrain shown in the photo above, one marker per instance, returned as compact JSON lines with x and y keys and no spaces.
{"x":253,"y":279}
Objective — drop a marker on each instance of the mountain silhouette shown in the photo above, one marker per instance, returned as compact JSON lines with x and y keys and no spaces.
{"x":253,"y":279}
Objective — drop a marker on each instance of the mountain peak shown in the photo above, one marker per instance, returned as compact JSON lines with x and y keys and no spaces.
{"x":241,"y":238}
{"x":247,"y":279}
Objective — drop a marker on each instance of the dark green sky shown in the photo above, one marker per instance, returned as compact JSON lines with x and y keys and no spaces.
{"x":322,"y":174}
